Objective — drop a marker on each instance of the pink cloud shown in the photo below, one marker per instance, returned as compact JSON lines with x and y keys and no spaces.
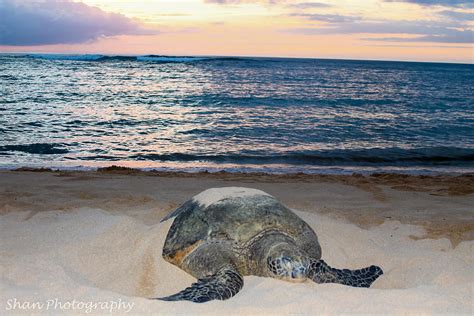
{"x":26,"y":23}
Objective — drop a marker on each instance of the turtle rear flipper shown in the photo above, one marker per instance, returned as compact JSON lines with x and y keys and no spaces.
{"x":220,"y":286}
{"x":320,"y":272}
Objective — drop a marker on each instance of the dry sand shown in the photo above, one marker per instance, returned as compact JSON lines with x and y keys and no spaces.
{"x":95,"y":237}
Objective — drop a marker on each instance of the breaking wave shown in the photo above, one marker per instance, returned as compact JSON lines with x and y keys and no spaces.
{"x":366,"y":157}
{"x":143,"y":58}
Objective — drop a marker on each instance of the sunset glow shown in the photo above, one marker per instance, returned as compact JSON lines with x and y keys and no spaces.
{"x":434,"y":30}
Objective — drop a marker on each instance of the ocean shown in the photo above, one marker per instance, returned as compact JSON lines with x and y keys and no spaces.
{"x":275,"y":115}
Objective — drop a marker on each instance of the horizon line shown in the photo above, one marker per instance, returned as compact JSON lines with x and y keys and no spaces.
{"x":243,"y":56}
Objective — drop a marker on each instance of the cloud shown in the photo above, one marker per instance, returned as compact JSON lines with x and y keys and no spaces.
{"x":237,"y":1}
{"x":458,"y":16}
{"x":25,"y":23}
{"x":445,"y":3}
{"x":422,"y":31}
{"x":449,"y":36}
{"x":244,"y":1}
{"x":223,"y":1}
{"x":420,"y":46}
{"x":330,"y":18}
{"x":309,"y":5}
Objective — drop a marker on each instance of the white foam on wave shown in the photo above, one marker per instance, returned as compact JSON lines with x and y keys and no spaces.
{"x":170,"y":59}
{"x":68,"y":57}
{"x":211,"y":196}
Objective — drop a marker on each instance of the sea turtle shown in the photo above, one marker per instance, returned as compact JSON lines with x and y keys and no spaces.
{"x":223,"y":234}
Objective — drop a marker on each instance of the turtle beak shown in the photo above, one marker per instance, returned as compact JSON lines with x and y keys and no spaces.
{"x":291,"y":269}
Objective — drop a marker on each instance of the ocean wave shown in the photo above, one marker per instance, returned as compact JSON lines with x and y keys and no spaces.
{"x":86,"y":57}
{"x":38,"y":148}
{"x":144,"y":58}
{"x":377,"y":156}
{"x":170,"y":59}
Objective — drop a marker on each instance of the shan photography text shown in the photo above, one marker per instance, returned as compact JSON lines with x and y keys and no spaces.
{"x":119,"y":305}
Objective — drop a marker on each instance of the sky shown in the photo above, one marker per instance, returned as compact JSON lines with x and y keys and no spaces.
{"x":418,"y":30}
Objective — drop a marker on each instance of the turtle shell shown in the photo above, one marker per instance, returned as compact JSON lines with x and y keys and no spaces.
{"x":234,"y":215}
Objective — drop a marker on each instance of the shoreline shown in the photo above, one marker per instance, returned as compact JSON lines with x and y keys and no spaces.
{"x":271,"y":169}
{"x":439,"y":184}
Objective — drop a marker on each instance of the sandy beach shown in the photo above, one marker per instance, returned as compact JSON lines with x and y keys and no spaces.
{"x":70,"y":240}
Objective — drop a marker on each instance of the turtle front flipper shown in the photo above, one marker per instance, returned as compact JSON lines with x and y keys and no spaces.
{"x":320,"y":272}
{"x":220,"y":286}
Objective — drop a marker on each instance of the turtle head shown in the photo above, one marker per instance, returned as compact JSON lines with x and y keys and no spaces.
{"x":286,"y":261}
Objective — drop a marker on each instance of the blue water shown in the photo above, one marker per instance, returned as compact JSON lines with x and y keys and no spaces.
{"x":235,"y":114}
